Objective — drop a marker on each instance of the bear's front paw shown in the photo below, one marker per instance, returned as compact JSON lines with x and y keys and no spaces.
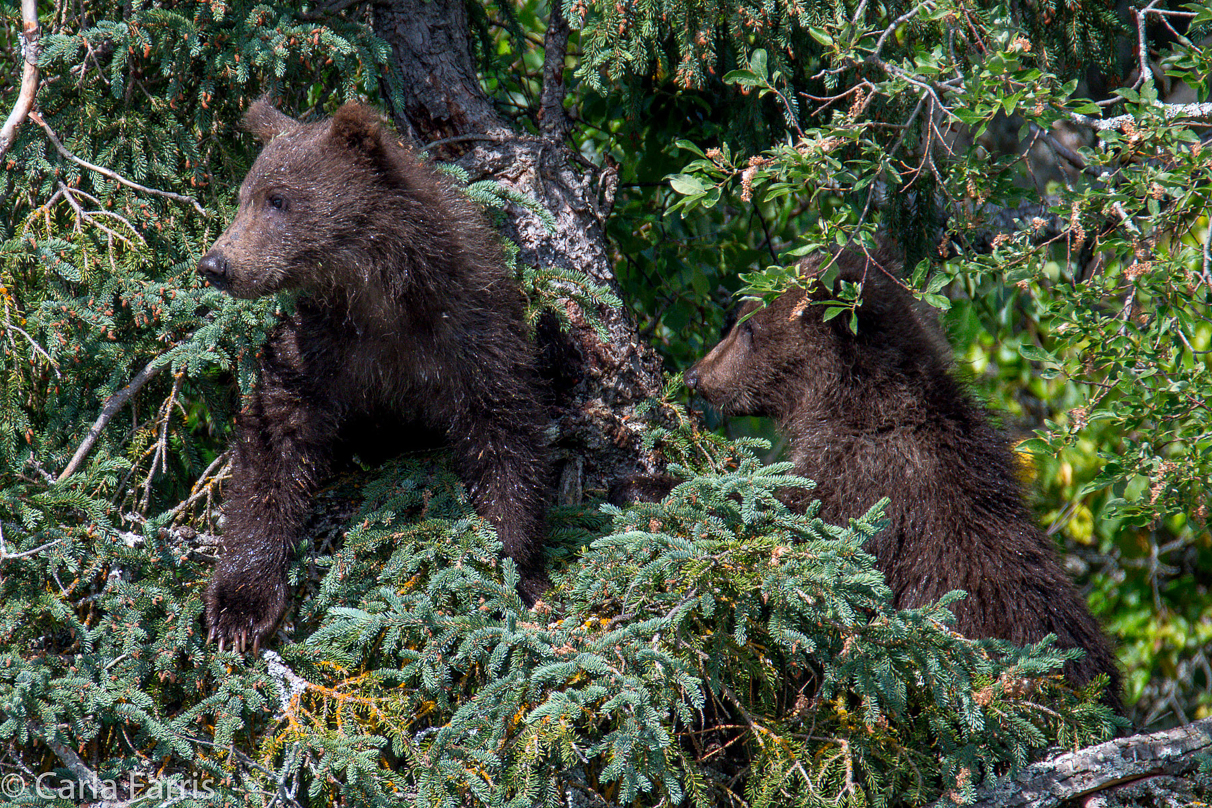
{"x":242,"y":610}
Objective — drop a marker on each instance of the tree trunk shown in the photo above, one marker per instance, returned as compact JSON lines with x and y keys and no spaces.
{"x":598,"y":439}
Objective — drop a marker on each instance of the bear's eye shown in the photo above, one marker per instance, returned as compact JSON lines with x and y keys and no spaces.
{"x":276,"y":202}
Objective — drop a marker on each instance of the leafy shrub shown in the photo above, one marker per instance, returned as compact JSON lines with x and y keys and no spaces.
{"x":715,"y":647}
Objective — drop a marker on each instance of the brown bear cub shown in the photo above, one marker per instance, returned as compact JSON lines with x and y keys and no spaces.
{"x":877,"y":414}
{"x":407,"y":324}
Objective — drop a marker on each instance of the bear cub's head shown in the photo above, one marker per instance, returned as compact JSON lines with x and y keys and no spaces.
{"x":308,"y":206}
{"x":778,"y":359}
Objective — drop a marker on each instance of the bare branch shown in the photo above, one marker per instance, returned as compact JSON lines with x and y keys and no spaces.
{"x":1169,"y":112}
{"x":30,"y":35}
{"x":1118,"y":207}
{"x":69,"y":758}
{"x":488,"y":137}
{"x":1142,"y":46}
{"x":5,"y":555}
{"x":91,"y":216}
{"x":113,"y":175}
{"x":858,"y":13}
{"x":908,"y":15}
{"x":923,"y":86}
{"x":204,"y":485}
{"x":9,"y":326}
{"x":108,"y":411}
{"x":1087,"y":771}
{"x":160,"y":448}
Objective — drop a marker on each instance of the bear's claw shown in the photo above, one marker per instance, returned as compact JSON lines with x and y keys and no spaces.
{"x":240,"y":615}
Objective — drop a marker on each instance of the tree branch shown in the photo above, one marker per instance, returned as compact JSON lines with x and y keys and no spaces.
{"x":1142,"y":46}
{"x":5,"y":555}
{"x":1086,"y":771}
{"x":30,"y":35}
{"x":1169,"y":111}
{"x":908,"y":15}
{"x":108,"y":411}
{"x":113,"y":175}
{"x":70,"y":760}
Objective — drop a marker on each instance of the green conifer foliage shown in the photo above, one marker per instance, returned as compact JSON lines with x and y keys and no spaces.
{"x":711,"y":649}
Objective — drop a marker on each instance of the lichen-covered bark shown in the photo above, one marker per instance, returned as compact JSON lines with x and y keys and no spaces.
{"x":1149,"y":765}
{"x":598,"y":433}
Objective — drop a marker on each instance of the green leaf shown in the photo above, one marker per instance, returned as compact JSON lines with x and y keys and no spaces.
{"x":1036,"y":354}
{"x":940,"y":302}
{"x":968,"y":116}
{"x":690,"y":147}
{"x":688,"y":185}
{"x":745,"y":78}
{"x":820,"y":36}
{"x":757,"y":63}
{"x":1035,"y":446}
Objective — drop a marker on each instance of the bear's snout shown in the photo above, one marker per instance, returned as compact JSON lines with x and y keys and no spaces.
{"x":215,"y":270}
{"x":692,"y":377}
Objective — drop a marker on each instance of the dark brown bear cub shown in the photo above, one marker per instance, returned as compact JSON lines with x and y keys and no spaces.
{"x":406,"y":324}
{"x":877,"y":414}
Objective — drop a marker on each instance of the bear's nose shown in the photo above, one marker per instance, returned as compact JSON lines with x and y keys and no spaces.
{"x":692,"y":378}
{"x":214,"y":268}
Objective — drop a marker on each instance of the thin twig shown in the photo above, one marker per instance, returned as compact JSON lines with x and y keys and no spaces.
{"x":1142,"y":46}
{"x":204,"y":485}
{"x":1165,"y":14}
{"x":160,"y":453}
{"x":108,"y":411}
{"x":896,"y":71}
{"x":328,"y":9}
{"x":91,"y":215}
{"x":908,"y":15}
{"x":8,"y":326}
{"x":769,"y":244}
{"x":863,"y":86}
{"x":5,"y":555}
{"x":30,"y":35}
{"x":113,"y":175}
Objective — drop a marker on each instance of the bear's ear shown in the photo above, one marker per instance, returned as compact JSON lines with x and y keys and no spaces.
{"x":266,"y":122}
{"x":359,"y":129}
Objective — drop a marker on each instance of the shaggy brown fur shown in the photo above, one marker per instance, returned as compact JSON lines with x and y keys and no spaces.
{"x":878,"y":414}
{"x":407,"y":325}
